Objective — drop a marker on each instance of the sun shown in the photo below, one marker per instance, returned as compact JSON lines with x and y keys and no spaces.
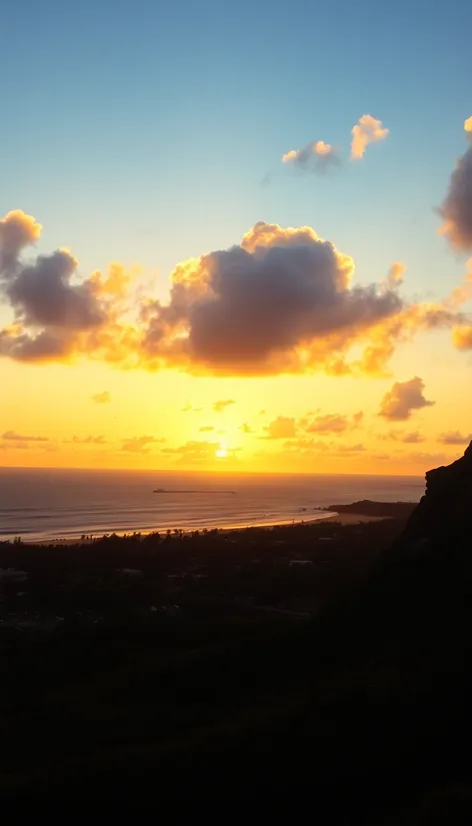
{"x":222,"y":452}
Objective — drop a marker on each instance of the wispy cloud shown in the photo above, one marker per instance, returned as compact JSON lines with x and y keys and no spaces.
{"x":454,"y":437}
{"x":89,"y":440}
{"x":219,"y":406}
{"x":140,"y":444}
{"x":14,"y":436}
{"x":101,"y":398}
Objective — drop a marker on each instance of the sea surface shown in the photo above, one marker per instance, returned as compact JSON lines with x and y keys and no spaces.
{"x":47,"y":504}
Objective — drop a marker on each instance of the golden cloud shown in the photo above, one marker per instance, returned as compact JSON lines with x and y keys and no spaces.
{"x":367,"y":130}
{"x":280,"y":301}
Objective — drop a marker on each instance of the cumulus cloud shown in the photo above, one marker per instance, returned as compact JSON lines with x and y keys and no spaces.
{"x":316,"y":156}
{"x":283,"y":427}
{"x":367,"y":130}
{"x":14,"y":436}
{"x":56,"y":314}
{"x":281,"y":301}
{"x":454,"y":437}
{"x":101,"y":398}
{"x":219,"y":406}
{"x":456,"y":209}
{"x":403,"y":398}
{"x":17,"y":231}
{"x":140,"y":444}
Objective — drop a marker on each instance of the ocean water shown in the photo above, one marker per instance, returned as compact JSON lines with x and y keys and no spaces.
{"x":46,"y":504}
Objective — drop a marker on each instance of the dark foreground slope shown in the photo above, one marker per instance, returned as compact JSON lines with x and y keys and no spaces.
{"x":363,"y":713}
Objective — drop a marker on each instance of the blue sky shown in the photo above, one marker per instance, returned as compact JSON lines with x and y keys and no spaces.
{"x":141,"y":132}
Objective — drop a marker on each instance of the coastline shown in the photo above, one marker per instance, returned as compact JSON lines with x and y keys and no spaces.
{"x":342,"y":519}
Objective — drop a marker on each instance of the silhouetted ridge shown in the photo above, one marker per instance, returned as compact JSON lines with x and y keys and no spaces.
{"x":445,"y":509}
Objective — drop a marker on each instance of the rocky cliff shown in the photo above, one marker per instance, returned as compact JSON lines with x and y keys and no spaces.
{"x":445,"y":510}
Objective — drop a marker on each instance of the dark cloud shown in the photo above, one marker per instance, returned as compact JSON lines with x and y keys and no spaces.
{"x":140,"y":444}
{"x":101,"y":398}
{"x":222,"y":405}
{"x":42,"y":295}
{"x":55,"y":313}
{"x":246,"y":428}
{"x":453,"y":437}
{"x":13,"y":436}
{"x":456,"y":209}
{"x":278,"y":302}
{"x":403,"y":398}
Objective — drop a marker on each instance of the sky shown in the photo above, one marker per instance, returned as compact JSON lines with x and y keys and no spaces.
{"x":236,"y":239}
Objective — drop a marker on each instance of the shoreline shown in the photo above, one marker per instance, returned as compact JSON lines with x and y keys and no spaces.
{"x":342,"y":519}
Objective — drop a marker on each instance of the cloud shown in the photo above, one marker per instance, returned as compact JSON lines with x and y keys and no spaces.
{"x":456,"y":209}
{"x":411,"y":438}
{"x":140,"y":444}
{"x":219,"y":406}
{"x":88,"y":440}
{"x":282,"y":427}
{"x":246,"y":428}
{"x":197,"y":451}
{"x":206,"y":429}
{"x":56,"y":314}
{"x":403,"y":398}
{"x":17,"y":231}
{"x":278,"y":302}
{"x":367,"y":130}
{"x":101,"y":398}
{"x":453,"y":437}
{"x":462,"y":338}
{"x":395,"y":275}
{"x":13,"y":436}
{"x":333,"y":423}
{"x":316,"y":156}
{"x":327,"y":448}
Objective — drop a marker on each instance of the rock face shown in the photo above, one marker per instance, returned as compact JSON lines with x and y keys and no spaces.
{"x":445,"y":511}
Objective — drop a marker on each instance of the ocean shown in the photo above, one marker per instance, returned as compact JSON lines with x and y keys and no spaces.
{"x":48,"y":504}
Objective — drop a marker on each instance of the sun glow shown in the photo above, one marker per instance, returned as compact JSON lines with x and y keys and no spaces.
{"x":222,"y":451}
